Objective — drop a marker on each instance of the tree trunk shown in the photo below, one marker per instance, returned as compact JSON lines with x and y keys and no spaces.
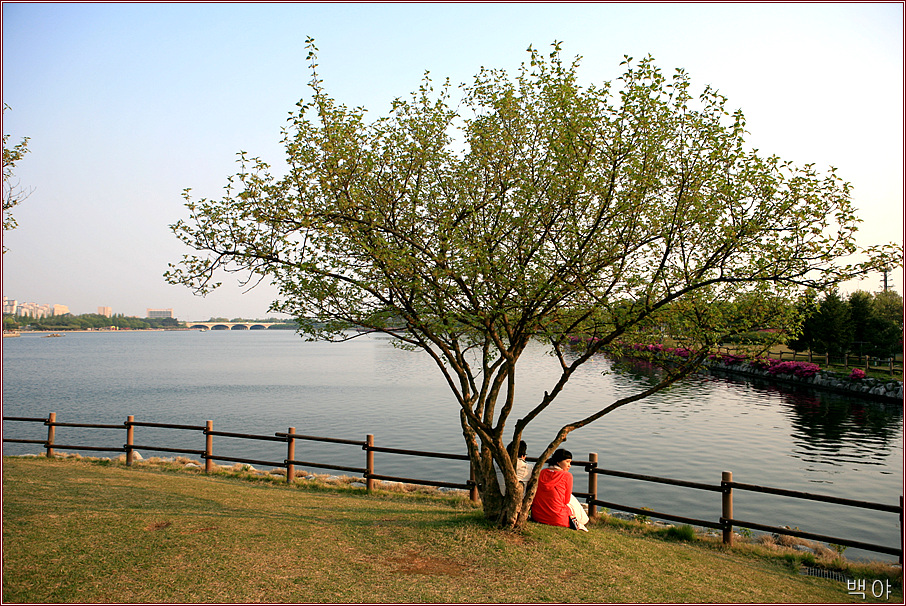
{"x":509,"y":511}
{"x":501,"y":506}
{"x":492,"y":501}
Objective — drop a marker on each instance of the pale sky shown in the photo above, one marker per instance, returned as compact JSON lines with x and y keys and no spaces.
{"x":126,"y":105}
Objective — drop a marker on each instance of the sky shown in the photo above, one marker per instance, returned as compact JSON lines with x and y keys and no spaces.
{"x":127,"y":105}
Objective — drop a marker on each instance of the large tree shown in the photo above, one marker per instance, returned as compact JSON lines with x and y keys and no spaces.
{"x":884,"y":326}
{"x":862,"y":316}
{"x":833,"y":326}
{"x":531,"y":208}
{"x":888,"y":305}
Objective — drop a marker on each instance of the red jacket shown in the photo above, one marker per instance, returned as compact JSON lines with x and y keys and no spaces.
{"x":551,"y":503}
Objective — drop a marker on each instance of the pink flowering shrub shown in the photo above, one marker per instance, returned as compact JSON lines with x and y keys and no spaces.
{"x":729,"y":358}
{"x":657,"y":348}
{"x":802,"y":370}
{"x":799,"y":369}
{"x":649,"y":347}
{"x":857,"y":373}
{"x":764,"y":363}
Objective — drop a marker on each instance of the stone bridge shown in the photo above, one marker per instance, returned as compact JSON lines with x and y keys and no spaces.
{"x":228,"y":325}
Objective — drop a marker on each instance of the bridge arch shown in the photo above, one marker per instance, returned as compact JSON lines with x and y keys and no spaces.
{"x":227,"y":326}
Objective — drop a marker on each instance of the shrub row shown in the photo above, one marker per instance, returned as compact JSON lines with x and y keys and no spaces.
{"x":802,"y":370}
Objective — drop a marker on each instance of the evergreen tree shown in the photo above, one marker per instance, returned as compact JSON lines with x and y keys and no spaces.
{"x":807,"y":307}
{"x":885,"y":334}
{"x":862,"y":314}
{"x":833,"y":326}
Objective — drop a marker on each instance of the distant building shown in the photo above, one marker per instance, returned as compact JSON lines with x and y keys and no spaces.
{"x":160,"y":313}
{"x":105,"y":311}
{"x":33,"y":310}
{"x":9,"y":306}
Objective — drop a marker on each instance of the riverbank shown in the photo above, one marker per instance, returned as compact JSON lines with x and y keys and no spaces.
{"x":87,"y":532}
{"x":867,"y":387}
{"x":801,"y":374}
{"x":98,"y":330}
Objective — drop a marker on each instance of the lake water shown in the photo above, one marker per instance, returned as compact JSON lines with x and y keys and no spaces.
{"x":262,"y":382}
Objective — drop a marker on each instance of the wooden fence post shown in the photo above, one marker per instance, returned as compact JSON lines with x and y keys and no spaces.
{"x":369,"y":462}
{"x":208,"y":446}
{"x":727,"y":506}
{"x":130,"y":439}
{"x":291,"y":456}
{"x":51,"y":432}
{"x":593,"y":483}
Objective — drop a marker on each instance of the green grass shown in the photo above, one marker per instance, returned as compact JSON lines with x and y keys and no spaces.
{"x":77,"y":531}
{"x":837,"y":366}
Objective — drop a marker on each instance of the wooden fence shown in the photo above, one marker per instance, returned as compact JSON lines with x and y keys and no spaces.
{"x":727,"y":522}
{"x":847,"y":361}
{"x":726,"y":488}
{"x":209,"y":456}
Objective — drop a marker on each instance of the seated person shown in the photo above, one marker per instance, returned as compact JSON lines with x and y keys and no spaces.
{"x":523,"y":469}
{"x":554,"y":502}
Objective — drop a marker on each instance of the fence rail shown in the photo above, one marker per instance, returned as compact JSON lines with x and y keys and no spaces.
{"x":815,"y":497}
{"x":725,"y":523}
{"x":164,"y":425}
{"x":319,"y":439}
{"x":893,"y":365}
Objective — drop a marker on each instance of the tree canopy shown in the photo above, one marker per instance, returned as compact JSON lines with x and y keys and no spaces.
{"x":533,"y":207}
{"x":13,"y":194}
{"x":864,"y":323}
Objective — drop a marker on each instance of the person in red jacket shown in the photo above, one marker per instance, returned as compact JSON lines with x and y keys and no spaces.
{"x":555,"y":489}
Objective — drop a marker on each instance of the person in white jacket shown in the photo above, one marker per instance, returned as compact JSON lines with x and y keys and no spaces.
{"x":523,"y":469}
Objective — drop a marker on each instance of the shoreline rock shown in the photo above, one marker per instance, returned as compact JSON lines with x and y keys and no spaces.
{"x":869,"y":387}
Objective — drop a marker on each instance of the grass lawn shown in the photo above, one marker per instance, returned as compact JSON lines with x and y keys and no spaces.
{"x":836,"y":365}
{"x":79,"y":531}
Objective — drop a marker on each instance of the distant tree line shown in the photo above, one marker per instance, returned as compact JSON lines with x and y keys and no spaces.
{"x":862,"y":324}
{"x":86,"y":321}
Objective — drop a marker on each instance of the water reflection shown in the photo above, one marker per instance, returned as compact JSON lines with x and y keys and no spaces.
{"x":833,"y":423}
{"x":820,"y":421}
